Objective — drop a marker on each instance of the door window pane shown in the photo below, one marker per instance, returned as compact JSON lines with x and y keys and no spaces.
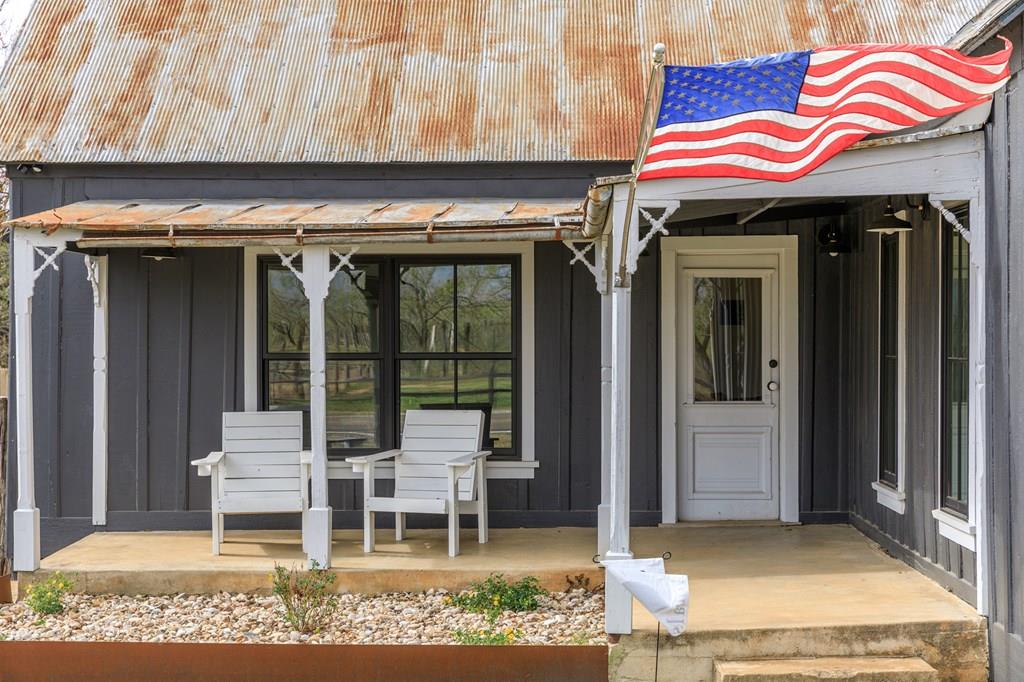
{"x":426,"y":302}
{"x":727,"y":337}
{"x":353,"y":399}
{"x":489,"y":383}
{"x":484,"y":308}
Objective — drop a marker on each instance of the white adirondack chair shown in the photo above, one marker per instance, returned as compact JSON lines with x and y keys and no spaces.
{"x":440,"y":469}
{"x":261,"y":470}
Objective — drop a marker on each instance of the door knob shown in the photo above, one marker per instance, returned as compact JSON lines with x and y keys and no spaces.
{"x":773,"y":385}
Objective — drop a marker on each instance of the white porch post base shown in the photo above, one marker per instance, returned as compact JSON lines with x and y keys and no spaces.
{"x":316,"y":536}
{"x":604,"y":527}
{"x":618,"y":602}
{"x":26,"y":539}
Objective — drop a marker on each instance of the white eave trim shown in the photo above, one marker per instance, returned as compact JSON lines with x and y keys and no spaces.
{"x":955,"y":528}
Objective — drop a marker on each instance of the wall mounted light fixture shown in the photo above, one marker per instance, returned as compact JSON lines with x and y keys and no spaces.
{"x":889,"y":223}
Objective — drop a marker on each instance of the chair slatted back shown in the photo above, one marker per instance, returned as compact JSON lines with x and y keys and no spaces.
{"x":430,"y":438}
{"x":261,"y":452}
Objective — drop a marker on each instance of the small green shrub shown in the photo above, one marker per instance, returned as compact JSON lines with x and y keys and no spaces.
{"x":496,"y":595}
{"x":47,"y":598}
{"x":487,"y":637}
{"x":306,"y":596}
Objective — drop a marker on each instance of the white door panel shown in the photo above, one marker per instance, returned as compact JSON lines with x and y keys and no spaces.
{"x":728,"y":374}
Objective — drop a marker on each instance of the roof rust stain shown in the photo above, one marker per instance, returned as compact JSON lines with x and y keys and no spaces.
{"x":371,"y":81}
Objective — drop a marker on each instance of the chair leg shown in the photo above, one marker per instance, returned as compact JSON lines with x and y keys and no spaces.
{"x":305,"y":530}
{"x":216,"y":530}
{"x":453,"y":514}
{"x":399,"y":526}
{"x":481,"y":510}
{"x":368,"y":530}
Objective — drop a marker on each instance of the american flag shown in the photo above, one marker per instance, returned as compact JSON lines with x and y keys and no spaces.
{"x":781,"y":116}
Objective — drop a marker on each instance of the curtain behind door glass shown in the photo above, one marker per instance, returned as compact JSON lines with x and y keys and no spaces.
{"x":727,"y":339}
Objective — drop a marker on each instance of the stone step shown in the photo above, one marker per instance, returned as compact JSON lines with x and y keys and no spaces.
{"x":836,"y":669}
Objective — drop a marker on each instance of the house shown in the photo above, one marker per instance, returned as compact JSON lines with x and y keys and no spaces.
{"x":770,"y":359}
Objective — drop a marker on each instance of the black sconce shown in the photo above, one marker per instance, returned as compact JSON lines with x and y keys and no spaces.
{"x":889,"y":223}
{"x":831,"y":239}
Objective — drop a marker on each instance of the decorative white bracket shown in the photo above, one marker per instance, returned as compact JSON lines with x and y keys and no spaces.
{"x":92,"y":275}
{"x":344,"y":261}
{"x":948,"y":215}
{"x":657,"y":227}
{"x":49,"y":259}
{"x":597,"y":268}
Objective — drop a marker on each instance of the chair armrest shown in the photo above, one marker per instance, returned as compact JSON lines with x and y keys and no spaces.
{"x":466,"y":460}
{"x":210,"y":460}
{"x":375,"y":457}
{"x":207,"y":463}
{"x":306,"y":457}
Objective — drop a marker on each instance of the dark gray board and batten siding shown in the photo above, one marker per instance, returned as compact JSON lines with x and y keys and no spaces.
{"x":175,"y":331}
{"x":913,"y":536}
{"x":1005,"y":366}
{"x":176,"y":353}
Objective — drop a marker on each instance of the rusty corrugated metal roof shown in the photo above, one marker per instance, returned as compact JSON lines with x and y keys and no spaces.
{"x":184,"y":222}
{"x":282,"y":81}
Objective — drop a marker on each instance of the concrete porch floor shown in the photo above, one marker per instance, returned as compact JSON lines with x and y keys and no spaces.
{"x":741,"y":577}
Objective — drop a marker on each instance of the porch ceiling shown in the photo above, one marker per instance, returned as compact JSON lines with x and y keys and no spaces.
{"x":157,"y":222}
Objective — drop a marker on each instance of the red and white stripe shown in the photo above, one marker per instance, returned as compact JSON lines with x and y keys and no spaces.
{"x":848,"y":93}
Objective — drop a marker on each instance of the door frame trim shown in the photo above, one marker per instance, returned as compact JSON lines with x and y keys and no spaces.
{"x":786,"y":248}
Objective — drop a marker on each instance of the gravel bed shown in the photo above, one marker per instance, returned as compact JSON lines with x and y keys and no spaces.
{"x":574,"y":617}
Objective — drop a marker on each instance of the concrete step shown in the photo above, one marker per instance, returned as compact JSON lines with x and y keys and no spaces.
{"x":838,"y":668}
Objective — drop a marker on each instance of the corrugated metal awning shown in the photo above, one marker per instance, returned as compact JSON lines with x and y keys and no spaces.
{"x":147,"y":222}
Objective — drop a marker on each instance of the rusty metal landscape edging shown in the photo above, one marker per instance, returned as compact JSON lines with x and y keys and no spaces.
{"x":196,"y":662}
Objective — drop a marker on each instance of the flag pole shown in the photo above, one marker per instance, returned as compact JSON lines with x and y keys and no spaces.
{"x":655,"y":87}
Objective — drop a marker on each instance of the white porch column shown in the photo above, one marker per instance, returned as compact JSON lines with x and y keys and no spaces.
{"x":316,"y":279}
{"x":25,"y":273}
{"x":604,"y":508}
{"x":96,"y":273}
{"x":618,"y":602}
{"x":26,"y":515}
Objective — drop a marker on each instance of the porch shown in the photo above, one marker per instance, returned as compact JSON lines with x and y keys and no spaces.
{"x":756,"y":590}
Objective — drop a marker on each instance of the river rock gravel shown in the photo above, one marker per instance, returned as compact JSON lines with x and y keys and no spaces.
{"x":573,"y":617}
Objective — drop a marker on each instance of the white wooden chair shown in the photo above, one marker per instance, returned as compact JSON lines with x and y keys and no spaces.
{"x":261,"y":470}
{"x":440,"y":469}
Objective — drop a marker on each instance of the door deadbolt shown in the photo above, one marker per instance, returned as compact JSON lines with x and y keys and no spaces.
{"x":773,"y":363}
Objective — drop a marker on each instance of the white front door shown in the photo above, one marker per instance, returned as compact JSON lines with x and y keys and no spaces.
{"x":729,"y":369}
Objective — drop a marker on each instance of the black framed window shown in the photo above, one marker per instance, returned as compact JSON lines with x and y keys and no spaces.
{"x":888,"y":358}
{"x":402,"y":333}
{"x":955,"y":458}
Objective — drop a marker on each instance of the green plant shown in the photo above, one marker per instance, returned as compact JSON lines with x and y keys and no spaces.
{"x":495,"y":595}
{"x":306,"y":596}
{"x":47,"y":598}
{"x":487,"y":637}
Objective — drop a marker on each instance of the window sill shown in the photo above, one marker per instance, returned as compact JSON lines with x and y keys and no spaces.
{"x":890,"y":497}
{"x":497,"y":469}
{"x":955,"y":528}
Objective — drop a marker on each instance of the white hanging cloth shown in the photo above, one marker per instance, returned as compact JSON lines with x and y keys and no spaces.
{"x":666,"y":596}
